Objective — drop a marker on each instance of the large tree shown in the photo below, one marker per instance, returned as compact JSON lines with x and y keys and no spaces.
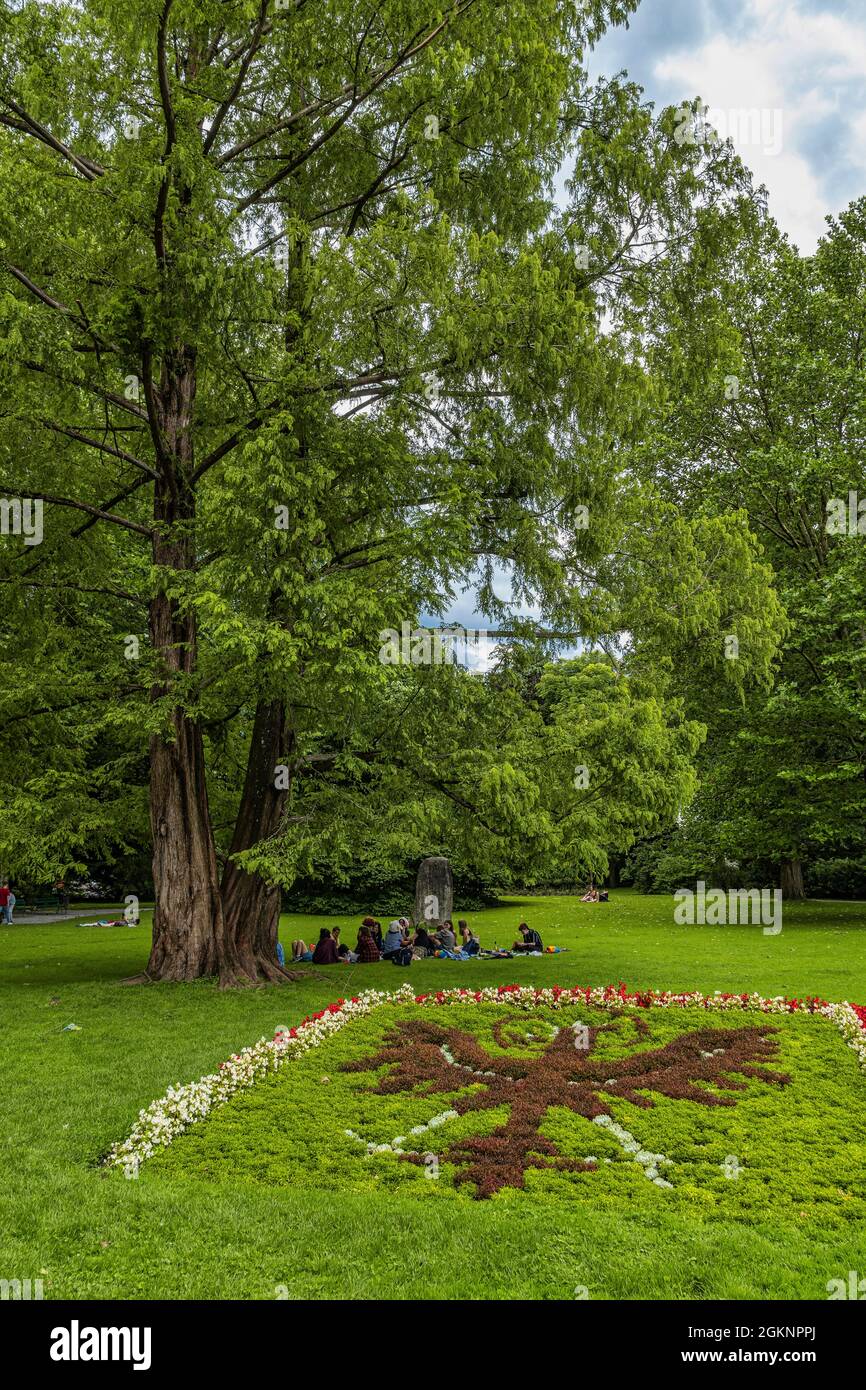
{"x":295,"y":343}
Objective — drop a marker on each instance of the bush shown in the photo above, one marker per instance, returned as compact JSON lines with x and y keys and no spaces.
{"x":836,"y":878}
{"x":381,"y":899}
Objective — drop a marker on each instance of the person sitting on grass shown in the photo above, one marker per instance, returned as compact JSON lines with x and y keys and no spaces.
{"x":531,"y":940}
{"x":445,"y":936}
{"x":347,"y":956}
{"x":367,"y":950}
{"x":326,"y":949}
{"x":469,"y":942}
{"x":395,"y":939}
{"x":301,"y":951}
{"x":342,"y":950}
{"x":591,"y":894}
{"x":423,"y":943}
{"x":375,"y":929}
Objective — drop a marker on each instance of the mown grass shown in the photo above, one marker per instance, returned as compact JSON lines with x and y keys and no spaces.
{"x":68,"y":1095}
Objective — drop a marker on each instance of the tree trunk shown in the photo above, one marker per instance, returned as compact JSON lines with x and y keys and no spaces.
{"x":251,"y":905}
{"x":188,"y":929}
{"x":189,"y":938}
{"x":792,"y":879}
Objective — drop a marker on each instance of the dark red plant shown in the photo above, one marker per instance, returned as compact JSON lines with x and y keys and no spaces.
{"x":562,"y":1075}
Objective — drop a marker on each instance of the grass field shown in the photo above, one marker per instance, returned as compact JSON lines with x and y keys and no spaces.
{"x":68,"y":1095}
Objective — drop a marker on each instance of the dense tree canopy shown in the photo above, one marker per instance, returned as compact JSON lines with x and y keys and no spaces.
{"x":763,"y":365}
{"x":297,"y":344}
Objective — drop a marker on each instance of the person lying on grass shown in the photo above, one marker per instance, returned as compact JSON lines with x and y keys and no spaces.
{"x":347,"y":956}
{"x":531,"y":940}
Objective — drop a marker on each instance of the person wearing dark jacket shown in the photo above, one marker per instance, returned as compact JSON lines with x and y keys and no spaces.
{"x":423,"y":942}
{"x":326,"y":950}
{"x":531,"y":940}
{"x":468,"y":940}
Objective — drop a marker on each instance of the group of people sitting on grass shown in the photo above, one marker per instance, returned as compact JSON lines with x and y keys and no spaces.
{"x":595,"y":895}
{"x":402,"y":943}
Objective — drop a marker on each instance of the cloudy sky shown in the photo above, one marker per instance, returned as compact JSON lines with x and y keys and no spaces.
{"x":800,"y":63}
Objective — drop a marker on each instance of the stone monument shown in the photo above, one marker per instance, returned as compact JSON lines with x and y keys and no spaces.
{"x":434,"y":892}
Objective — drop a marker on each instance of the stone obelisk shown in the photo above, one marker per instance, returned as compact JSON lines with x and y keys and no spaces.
{"x":434,"y":892}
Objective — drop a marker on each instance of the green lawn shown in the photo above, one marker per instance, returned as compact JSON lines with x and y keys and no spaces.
{"x":68,"y":1095}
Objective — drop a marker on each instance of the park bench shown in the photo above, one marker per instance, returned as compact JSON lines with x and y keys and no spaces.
{"x":35,"y":905}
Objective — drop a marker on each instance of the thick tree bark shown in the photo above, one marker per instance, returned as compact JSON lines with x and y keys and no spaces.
{"x":792,"y":879}
{"x":188,"y":929}
{"x":189,"y":937}
{"x":251,"y":906}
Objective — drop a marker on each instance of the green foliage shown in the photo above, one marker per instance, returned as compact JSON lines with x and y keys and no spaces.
{"x":794,"y":1146}
{"x":837,"y":878}
{"x":758,"y":352}
{"x":420,"y":388}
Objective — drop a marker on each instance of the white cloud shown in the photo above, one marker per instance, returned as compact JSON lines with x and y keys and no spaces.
{"x":807,"y":66}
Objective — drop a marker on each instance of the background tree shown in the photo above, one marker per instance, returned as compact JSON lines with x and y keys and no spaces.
{"x":762,"y":364}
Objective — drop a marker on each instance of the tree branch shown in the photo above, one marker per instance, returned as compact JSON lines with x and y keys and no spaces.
{"x":96,"y":512}
{"x":103,"y":448}
{"x":87,"y":167}
{"x":350,"y":95}
{"x":226,"y":106}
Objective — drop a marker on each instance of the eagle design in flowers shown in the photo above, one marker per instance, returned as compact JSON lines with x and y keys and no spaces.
{"x":435,"y":1059}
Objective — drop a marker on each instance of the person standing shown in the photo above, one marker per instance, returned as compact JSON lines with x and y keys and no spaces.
{"x":5,"y":894}
{"x":11,"y":905}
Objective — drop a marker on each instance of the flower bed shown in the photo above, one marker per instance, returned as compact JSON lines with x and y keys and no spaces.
{"x":511,"y":1112}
